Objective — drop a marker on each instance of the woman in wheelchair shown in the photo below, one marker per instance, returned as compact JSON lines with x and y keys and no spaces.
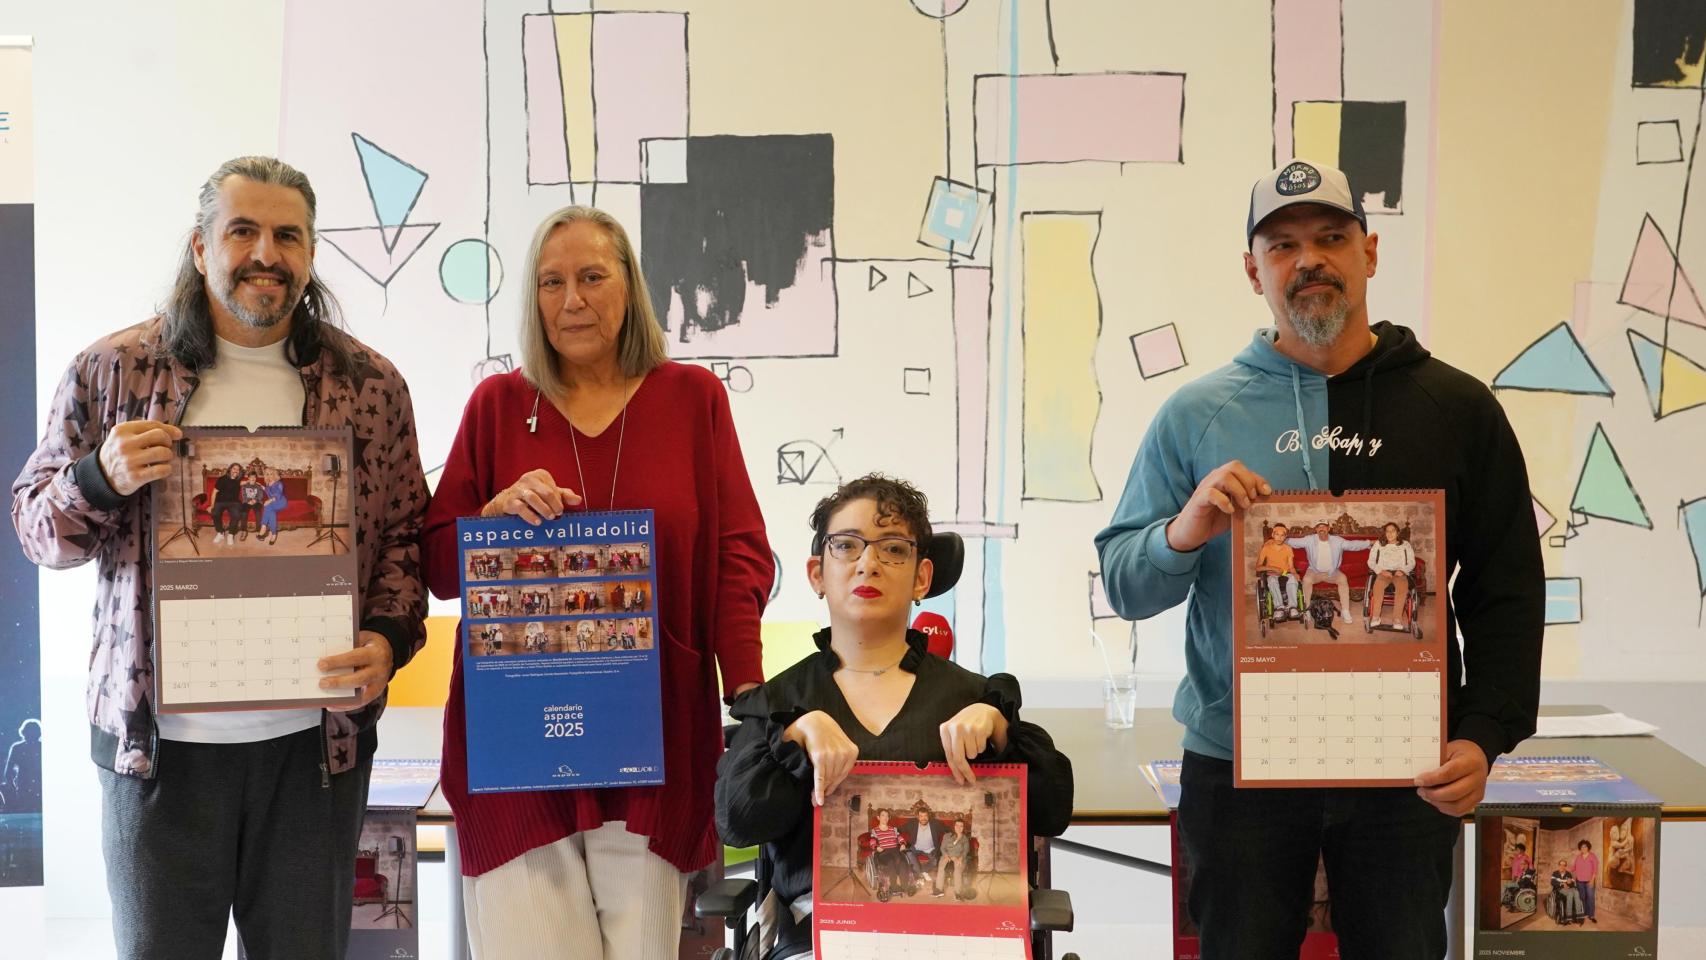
{"x":871,"y":692}
{"x":1391,"y":562}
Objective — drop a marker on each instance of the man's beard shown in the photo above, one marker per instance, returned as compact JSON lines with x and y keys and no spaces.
{"x":1317,"y":318}
{"x":223,"y":287}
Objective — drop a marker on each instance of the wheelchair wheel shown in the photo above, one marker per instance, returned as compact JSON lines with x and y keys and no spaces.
{"x":1524,"y":901}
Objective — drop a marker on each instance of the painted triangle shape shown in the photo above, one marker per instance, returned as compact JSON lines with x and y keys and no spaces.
{"x":1675,"y":382}
{"x":1543,"y":518}
{"x":1556,"y":363}
{"x":365,"y":247}
{"x":1603,"y":490}
{"x":393,"y":184}
{"x":1684,"y":384}
{"x":1694,"y":521}
{"x":1648,"y":358}
{"x":875,"y":279}
{"x":916,"y":287}
{"x":1647,"y":285}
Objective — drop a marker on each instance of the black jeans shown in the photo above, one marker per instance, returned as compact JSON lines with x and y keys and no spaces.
{"x":1253,"y":855}
{"x":245,"y":829}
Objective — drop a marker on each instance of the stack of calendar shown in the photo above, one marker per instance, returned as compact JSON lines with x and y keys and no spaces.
{"x":1567,"y":862}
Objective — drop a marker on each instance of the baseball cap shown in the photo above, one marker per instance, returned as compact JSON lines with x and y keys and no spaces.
{"x":1299,"y":181}
{"x":1323,"y":523}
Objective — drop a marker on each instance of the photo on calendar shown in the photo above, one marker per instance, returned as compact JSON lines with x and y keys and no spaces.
{"x":1356,"y":569}
{"x":1593,"y":872}
{"x":277,"y":492}
{"x":554,"y":563}
{"x":927,"y":840}
{"x":579,"y":635}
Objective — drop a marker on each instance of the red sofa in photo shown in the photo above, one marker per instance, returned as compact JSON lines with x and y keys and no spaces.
{"x":1354,"y":563}
{"x":303,"y":509}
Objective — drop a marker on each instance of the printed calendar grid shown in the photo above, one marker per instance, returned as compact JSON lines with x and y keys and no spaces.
{"x":1361,"y":725}
{"x":237,"y":650}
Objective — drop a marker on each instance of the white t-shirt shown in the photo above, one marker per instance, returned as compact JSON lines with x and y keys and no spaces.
{"x":926,"y":839}
{"x":246,"y":387}
{"x":1324,"y":555}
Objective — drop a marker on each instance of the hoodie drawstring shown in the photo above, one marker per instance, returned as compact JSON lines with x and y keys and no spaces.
{"x":1302,"y":431}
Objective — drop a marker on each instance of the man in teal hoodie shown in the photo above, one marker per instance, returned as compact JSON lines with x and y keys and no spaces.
{"x":1326,"y":401}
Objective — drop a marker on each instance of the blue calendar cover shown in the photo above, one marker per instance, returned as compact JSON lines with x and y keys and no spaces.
{"x":1560,"y":780}
{"x":560,"y":658}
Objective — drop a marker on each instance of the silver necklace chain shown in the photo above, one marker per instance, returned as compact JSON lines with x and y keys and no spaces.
{"x":621,"y":433}
{"x":877,"y":672}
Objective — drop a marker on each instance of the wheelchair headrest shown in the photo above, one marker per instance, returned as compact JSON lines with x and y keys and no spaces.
{"x":948,"y":553}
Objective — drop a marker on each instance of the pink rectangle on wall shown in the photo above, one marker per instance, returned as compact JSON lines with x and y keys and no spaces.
{"x":639,"y":86}
{"x":1309,"y":59}
{"x":547,"y":148}
{"x":1118,"y":117}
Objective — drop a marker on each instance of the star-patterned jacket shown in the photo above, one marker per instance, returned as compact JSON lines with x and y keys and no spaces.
{"x":66,"y":514}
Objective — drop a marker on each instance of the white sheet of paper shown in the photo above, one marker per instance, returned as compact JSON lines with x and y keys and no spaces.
{"x":1594,"y":725}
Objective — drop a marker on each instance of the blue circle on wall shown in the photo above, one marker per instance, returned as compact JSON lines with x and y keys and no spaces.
{"x":470,"y":271}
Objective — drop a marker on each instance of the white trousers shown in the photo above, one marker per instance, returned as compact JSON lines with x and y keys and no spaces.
{"x":596,"y":895}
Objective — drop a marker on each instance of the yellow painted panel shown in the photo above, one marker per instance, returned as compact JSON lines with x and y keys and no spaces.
{"x":1062,"y":318}
{"x":1315,"y":132}
{"x":574,"y":59}
{"x":426,"y":679}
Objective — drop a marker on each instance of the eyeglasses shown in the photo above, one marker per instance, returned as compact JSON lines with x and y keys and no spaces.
{"x":848,"y":547}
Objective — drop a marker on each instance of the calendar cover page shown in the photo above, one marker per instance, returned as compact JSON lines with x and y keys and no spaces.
{"x":1559,"y":780}
{"x":1567,"y":882}
{"x":559,"y":652}
{"x":911,"y":863}
{"x":1338,"y":609}
{"x":254,"y":578}
{"x":1319,"y":943}
{"x":1163,"y":777}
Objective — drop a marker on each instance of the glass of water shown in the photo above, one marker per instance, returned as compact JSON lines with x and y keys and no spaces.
{"x":1119,"y":700}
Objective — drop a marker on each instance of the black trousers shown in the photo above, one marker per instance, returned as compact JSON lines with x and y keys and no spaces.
{"x":1254,"y":853}
{"x":243,"y":829}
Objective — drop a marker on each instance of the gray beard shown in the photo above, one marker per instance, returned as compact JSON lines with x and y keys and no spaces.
{"x":222,"y":290}
{"x":1318,"y":325}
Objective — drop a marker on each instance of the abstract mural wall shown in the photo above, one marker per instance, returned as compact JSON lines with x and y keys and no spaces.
{"x":976,"y":243}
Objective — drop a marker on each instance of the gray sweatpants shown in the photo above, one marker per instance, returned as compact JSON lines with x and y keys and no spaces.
{"x":245,"y":829}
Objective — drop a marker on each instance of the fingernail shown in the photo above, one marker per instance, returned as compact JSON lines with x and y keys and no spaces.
{"x":320,"y":664}
{"x":325,"y":684}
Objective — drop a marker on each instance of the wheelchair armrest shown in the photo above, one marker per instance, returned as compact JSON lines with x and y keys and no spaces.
{"x":726,"y":898}
{"x":1051,"y":910}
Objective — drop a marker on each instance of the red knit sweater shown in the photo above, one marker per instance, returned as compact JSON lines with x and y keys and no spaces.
{"x":680,"y":458}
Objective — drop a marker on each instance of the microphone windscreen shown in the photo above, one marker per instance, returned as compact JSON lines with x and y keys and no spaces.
{"x":935,"y":626}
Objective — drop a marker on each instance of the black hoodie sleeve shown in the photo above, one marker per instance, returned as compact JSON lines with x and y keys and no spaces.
{"x":1499,"y":595}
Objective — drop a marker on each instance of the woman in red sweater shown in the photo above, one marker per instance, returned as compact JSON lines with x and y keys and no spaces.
{"x":599,"y":418}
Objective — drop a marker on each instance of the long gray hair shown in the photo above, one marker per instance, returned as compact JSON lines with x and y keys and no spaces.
{"x":640,"y":346}
{"x":188,"y":332}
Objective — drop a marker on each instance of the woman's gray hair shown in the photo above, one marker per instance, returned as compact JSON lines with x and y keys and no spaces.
{"x":640,"y":347}
{"x":187,"y":336}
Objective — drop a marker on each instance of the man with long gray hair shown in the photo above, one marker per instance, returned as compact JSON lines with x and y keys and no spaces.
{"x":252,"y":813}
